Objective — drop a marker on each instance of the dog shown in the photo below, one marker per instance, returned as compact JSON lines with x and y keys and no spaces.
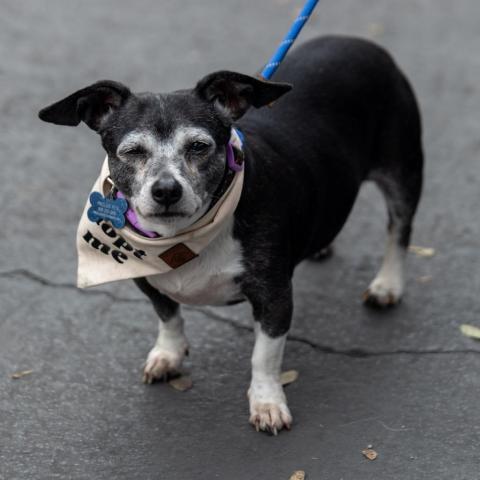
{"x":350,"y":117}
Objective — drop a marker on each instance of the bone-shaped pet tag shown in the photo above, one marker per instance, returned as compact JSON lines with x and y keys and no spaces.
{"x":109,"y":209}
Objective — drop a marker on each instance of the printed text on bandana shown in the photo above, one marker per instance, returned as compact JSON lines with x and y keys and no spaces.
{"x":118,"y":249}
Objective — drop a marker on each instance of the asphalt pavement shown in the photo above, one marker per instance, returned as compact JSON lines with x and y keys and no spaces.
{"x":405,"y":381}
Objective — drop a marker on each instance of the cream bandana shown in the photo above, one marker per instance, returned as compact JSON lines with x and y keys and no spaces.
{"x":106,"y":254}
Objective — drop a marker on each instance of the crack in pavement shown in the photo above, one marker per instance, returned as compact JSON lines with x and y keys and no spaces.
{"x":34,"y":277}
{"x":351,"y":352}
{"x":215,"y":316}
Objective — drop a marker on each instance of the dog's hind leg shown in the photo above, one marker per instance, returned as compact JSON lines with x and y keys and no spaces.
{"x":398,"y":174}
{"x":171,"y":346}
{"x":401,"y":188}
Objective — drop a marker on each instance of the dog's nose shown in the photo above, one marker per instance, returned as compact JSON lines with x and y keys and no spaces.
{"x":166,"y":191}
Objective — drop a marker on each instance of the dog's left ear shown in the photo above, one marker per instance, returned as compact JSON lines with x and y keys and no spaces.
{"x":234,"y":92}
{"x":91,"y":105}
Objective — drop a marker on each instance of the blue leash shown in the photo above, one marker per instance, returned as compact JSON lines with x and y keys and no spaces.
{"x":271,"y":67}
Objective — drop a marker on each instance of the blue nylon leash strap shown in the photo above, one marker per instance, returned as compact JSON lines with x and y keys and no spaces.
{"x":287,"y":42}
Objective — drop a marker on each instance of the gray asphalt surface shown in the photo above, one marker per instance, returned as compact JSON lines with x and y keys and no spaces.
{"x":84,"y":414}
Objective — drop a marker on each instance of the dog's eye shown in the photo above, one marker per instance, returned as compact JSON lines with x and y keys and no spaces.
{"x":135,"y":151}
{"x":198,"y":147}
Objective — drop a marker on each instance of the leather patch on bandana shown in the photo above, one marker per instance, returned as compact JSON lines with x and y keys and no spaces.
{"x":177,"y":255}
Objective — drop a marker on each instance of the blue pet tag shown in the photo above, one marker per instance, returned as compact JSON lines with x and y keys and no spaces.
{"x":110,"y":209}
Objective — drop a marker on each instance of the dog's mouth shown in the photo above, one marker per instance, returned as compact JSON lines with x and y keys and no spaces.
{"x":166,"y":222}
{"x":167,"y":214}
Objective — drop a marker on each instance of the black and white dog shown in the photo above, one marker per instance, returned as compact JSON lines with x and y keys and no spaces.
{"x":350,"y":117}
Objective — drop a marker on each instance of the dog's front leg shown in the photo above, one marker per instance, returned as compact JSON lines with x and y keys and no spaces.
{"x":268,"y":404}
{"x":171,"y":346}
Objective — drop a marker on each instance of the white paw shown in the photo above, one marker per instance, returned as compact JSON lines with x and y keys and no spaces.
{"x":161,"y":362}
{"x":269,"y":412}
{"x":384,"y":292}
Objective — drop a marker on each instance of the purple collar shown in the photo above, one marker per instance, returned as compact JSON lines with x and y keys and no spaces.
{"x":132,"y":218}
{"x":234,"y":165}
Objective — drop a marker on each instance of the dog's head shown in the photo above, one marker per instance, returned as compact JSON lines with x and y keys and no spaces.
{"x":166,"y":152}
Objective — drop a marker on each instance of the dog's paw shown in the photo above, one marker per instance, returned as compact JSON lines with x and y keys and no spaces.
{"x":161,"y":363}
{"x":269,"y":413}
{"x":382,"y":293}
{"x":270,"y":417}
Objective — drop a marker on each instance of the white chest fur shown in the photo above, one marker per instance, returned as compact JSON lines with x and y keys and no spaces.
{"x":207,"y":279}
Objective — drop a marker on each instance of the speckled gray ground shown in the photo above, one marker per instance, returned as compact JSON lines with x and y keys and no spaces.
{"x":83,"y":413}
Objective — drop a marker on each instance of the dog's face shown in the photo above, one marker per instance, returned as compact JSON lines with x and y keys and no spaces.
{"x":167,"y":155}
{"x":166,"y":152}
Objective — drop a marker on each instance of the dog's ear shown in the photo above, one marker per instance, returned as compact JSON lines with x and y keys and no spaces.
{"x":234,"y":93}
{"x":91,"y":104}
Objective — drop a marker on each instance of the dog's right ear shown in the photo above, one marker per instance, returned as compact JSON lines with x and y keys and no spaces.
{"x":234,"y":93}
{"x":91,"y":105}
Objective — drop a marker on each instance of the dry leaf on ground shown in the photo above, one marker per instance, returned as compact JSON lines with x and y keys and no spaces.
{"x":21,"y":374}
{"x":470,"y":331}
{"x":182,"y":383}
{"x":370,"y":454}
{"x":422,"y":251}
{"x":288,"y":377}
{"x":424,"y":279}
{"x":298,"y":475}
{"x":375,"y":30}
